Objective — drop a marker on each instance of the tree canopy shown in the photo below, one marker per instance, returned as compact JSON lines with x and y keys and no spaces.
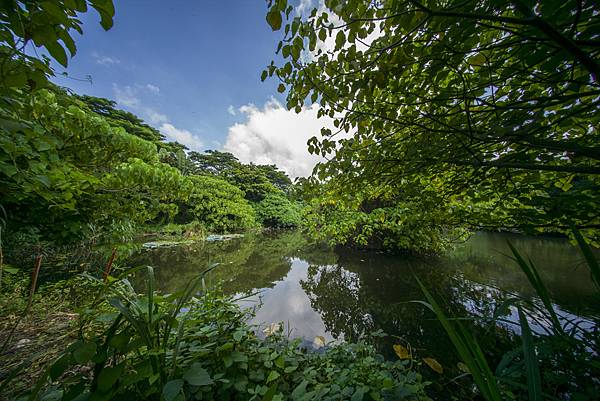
{"x":499,"y":100}
{"x":48,"y":25}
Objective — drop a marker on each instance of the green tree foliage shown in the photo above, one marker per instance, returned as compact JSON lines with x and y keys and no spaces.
{"x":128,"y":121}
{"x":56,"y":155}
{"x":498,"y":99}
{"x":220,"y":205}
{"x":65,"y":168}
{"x":48,"y":25}
{"x":75,"y":165}
{"x":383,"y":218}
{"x":276,"y":177}
{"x":277,"y":211}
{"x":214,"y":162}
{"x":256,"y":181}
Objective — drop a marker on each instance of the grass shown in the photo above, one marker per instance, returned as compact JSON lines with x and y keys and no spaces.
{"x":494,"y":386}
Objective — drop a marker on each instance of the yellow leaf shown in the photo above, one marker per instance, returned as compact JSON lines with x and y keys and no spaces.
{"x":433,"y":364}
{"x":478,"y":59}
{"x":402,"y":352}
{"x":462,"y":367}
{"x":319,"y":342}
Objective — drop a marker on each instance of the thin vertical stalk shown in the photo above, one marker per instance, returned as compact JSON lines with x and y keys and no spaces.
{"x":108,"y":267}
{"x":34,"y":277}
{"x":1,"y":262}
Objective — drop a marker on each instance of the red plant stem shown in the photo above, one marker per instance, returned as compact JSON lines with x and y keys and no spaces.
{"x":34,"y":277}
{"x":109,"y":265}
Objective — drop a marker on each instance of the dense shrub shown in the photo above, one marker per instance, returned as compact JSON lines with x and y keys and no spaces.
{"x":277,"y":211}
{"x":374,"y":220}
{"x":219,"y":205}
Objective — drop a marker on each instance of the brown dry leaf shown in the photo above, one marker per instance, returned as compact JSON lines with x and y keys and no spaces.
{"x":434,"y":365}
{"x":402,"y":352}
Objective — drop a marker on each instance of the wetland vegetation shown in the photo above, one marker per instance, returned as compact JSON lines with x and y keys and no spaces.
{"x":444,"y":248}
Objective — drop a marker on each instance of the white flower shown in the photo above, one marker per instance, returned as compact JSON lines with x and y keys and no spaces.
{"x":272,"y":329}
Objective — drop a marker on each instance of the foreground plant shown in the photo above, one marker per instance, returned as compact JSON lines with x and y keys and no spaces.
{"x":560,"y":362}
{"x":197,"y":345}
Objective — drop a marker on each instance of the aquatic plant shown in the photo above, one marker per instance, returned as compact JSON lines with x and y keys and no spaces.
{"x":556,"y":364}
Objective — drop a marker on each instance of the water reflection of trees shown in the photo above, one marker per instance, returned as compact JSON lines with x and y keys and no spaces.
{"x":356,"y":297}
{"x":357,"y":293}
{"x":484,"y":259}
{"x":245,"y":264}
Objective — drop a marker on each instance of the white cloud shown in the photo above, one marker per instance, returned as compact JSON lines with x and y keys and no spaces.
{"x":152,"y":88}
{"x":328,"y":45}
{"x":129,"y":96}
{"x":274,"y":135}
{"x":182,"y":136}
{"x":105,"y":60}
{"x":305,"y":7}
{"x":231,"y":110}
{"x":155,"y":117}
{"x":126,"y":96}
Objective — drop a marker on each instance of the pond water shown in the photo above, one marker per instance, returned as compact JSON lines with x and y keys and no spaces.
{"x":316,"y":291}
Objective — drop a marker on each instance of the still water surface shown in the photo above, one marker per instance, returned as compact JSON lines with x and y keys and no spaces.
{"x":316,"y":291}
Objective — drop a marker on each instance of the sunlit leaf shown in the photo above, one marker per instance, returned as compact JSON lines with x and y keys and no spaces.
{"x":434,"y":365}
{"x":402,"y":352}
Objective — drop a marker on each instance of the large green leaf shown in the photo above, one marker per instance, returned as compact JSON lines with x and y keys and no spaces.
{"x":274,"y":19}
{"x":196,"y":375}
{"x":84,"y":352}
{"x":109,"y":376}
{"x":172,"y":389}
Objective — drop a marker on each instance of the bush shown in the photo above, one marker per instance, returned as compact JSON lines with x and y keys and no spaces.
{"x":219,"y":205}
{"x":277,"y":211}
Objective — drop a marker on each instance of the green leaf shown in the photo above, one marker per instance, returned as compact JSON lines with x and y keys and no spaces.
{"x":270,"y":393}
{"x":172,"y":389}
{"x":108,"y":377}
{"x":281,"y":88}
{"x":340,"y":39}
{"x":322,"y":34}
{"x":85,"y":352}
{"x":280,"y":362}
{"x":358,"y":394}
{"x":60,"y":366}
{"x":300,"y":390}
{"x":274,"y":375}
{"x":274,"y":19}
{"x":10,"y":269}
{"x":44,"y":180}
{"x":196,"y":375}
{"x":534,"y":381}
{"x":42,"y":146}
{"x":106,"y":10}
{"x":57,"y":52}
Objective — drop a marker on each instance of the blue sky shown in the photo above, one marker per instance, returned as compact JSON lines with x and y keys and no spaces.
{"x":187,"y":60}
{"x":192,"y":70}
